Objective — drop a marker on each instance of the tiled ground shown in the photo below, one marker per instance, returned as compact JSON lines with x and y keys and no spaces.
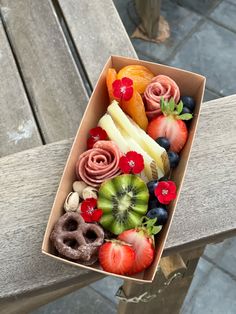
{"x":205,"y":60}
{"x":203,"y":39}
{"x":181,"y":21}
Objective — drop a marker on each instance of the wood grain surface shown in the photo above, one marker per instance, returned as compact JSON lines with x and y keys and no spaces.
{"x":97,"y":32}
{"x":28,"y":185}
{"x":167,"y":293}
{"x":57,"y":95}
{"x":164,"y":298}
{"x":206,"y":208}
{"x":17,"y":124}
{"x":29,"y":180}
{"x":50,"y":74}
{"x":47,"y":293}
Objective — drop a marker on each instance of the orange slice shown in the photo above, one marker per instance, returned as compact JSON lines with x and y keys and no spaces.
{"x":140,"y":75}
{"x":136,"y":110}
{"x":110,"y":78}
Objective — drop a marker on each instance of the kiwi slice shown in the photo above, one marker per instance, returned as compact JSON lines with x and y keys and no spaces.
{"x":124,"y":201}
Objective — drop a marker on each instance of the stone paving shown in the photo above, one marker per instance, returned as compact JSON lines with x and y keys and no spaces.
{"x":203,"y":39}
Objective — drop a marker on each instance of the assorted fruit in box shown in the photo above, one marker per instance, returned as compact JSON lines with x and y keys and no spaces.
{"x":120,"y":202}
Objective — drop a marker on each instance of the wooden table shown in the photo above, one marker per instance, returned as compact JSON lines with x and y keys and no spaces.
{"x":50,"y":58}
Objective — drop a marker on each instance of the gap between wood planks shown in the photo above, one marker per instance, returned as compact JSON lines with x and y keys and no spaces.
{"x":22,"y":79}
{"x":74,"y":51}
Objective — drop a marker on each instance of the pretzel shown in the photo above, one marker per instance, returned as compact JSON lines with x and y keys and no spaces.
{"x":71,"y":237}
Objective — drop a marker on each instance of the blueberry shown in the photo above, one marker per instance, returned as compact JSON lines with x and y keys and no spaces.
{"x":153,"y":202}
{"x":186,"y":110}
{"x":189,"y":102}
{"x":173,"y":159}
{"x":163,"y":142}
{"x":151,"y":185}
{"x":160,"y":213}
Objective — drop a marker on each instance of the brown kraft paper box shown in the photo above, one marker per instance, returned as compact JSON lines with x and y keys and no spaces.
{"x":190,"y":84}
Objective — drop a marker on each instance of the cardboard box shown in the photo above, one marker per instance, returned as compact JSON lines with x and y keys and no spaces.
{"x":190,"y":84}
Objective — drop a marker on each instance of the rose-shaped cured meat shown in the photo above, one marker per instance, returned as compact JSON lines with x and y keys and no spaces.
{"x":160,"y":86}
{"x":99,"y":163}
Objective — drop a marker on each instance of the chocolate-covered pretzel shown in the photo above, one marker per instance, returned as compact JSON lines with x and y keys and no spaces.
{"x":77,"y":240}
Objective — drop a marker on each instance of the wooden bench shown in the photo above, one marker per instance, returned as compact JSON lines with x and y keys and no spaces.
{"x":50,"y":59}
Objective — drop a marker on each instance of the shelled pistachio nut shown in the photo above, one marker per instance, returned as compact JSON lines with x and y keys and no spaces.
{"x":89,"y":192}
{"x":72,"y":202}
{"x":79,"y":186}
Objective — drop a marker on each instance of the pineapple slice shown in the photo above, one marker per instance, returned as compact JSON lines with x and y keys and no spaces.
{"x":125,"y":143}
{"x":151,"y":169}
{"x":153,"y":148}
{"x":157,"y":152}
{"x":113,"y":133}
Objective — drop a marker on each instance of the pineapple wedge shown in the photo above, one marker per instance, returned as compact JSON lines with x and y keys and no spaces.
{"x":113,"y":133}
{"x":125,"y":143}
{"x":153,"y":149}
{"x":151,"y":170}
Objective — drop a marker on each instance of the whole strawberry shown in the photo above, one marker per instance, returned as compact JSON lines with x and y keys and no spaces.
{"x":116,"y":257}
{"x":170,"y":125}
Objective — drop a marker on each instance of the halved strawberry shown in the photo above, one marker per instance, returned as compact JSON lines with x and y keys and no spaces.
{"x":170,"y":125}
{"x":116,"y":257}
{"x":143,"y":245}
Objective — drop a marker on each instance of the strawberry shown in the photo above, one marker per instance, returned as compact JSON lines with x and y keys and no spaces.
{"x":143,"y":245}
{"x":116,"y":257}
{"x":170,"y":125}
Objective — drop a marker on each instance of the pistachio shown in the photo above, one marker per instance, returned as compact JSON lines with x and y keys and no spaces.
{"x":89,"y":192}
{"x":72,"y":202}
{"x":79,"y":186}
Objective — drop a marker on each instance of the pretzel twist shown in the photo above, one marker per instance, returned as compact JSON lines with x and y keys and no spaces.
{"x":70,"y":237}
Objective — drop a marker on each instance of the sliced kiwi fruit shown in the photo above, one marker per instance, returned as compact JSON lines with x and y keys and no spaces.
{"x":124,"y":201}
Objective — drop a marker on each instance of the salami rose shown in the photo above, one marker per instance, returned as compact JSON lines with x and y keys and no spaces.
{"x":160,"y":86}
{"x":99,"y":163}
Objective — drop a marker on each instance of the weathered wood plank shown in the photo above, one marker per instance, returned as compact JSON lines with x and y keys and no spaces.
{"x":149,"y":12}
{"x":50,"y":74}
{"x":30,"y":179}
{"x":24,"y":212}
{"x":210,"y":181}
{"x":17,"y":124}
{"x":164,"y":299}
{"x":97,"y":32}
{"x":169,"y":291}
{"x":30,"y":301}
{"x":54,"y":86}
